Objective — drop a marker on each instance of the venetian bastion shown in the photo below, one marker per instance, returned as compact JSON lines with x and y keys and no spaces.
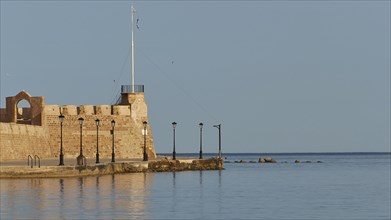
{"x":36,"y":130}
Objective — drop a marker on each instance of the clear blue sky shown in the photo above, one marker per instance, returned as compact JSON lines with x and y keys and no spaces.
{"x":280,"y":76}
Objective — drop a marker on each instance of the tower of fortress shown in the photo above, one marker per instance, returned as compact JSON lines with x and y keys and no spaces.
{"x":36,"y":130}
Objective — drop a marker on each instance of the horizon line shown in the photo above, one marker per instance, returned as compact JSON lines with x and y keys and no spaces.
{"x":336,"y":152}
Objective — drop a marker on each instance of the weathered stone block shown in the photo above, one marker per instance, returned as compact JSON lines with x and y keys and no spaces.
{"x":69,"y":110}
{"x":86,"y":110}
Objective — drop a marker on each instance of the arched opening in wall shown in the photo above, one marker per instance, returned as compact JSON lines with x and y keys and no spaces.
{"x":23,"y":112}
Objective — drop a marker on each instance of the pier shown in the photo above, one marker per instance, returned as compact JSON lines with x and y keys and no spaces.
{"x":46,"y":169}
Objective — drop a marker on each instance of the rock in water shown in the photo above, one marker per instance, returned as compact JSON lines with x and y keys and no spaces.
{"x":269,"y":160}
{"x":297,"y":161}
{"x":266,"y":160}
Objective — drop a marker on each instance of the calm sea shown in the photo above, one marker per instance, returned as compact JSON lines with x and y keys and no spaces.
{"x":343,"y":186}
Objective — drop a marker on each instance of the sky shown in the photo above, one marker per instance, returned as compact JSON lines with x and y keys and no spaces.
{"x":279,"y":76}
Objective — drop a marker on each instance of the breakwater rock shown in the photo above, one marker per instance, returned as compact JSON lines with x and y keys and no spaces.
{"x":185,"y":164}
{"x":267,"y":160}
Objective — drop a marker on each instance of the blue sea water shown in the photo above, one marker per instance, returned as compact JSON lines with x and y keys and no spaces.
{"x":343,"y":186}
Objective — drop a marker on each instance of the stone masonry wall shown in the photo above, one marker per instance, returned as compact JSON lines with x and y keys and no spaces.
{"x":17,"y":141}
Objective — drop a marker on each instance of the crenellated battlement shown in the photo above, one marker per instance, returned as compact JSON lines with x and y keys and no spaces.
{"x":98,"y":110}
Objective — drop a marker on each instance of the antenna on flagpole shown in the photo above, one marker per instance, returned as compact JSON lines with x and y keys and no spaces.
{"x":132,"y":11}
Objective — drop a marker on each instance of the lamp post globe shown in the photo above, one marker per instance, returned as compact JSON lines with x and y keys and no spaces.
{"x":61,"y":118}
{"x":81,"y":120}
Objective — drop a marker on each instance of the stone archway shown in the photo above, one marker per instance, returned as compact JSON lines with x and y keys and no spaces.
{"x":23,"y":112}
{"x":28,"y":115}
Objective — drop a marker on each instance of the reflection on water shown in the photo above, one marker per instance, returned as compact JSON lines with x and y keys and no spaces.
{"x":201,"y":177}
{"x":137,"y":195}
{"x":107,"y":196}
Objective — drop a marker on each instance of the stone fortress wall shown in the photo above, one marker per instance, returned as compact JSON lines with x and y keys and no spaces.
{"x":36,"y":130}
{"x":17,"y":141}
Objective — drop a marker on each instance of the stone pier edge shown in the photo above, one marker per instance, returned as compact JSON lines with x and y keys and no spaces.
{"x":164,"y":165}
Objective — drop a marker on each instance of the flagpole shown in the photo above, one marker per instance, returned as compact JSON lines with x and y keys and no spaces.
{"x":132,"y":15}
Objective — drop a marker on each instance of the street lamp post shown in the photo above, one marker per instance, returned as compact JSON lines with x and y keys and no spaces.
{"x":201,"y":124}
{"x":80,"y":158}
{"x":219,"y":127}
{"x":112,"y":141}
{"x":145,"y":157}
{"x":97,"y":140}
{"x":173,"y":152}
{"x":61,"y":118}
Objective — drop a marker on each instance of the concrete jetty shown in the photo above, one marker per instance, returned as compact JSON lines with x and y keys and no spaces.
{"x":15,"y":169}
